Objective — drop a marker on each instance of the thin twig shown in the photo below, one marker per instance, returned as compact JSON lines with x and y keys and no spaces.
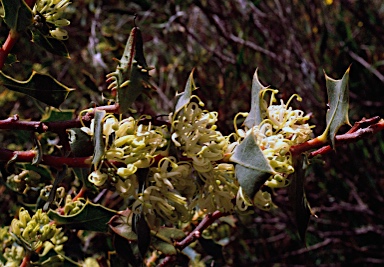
{"x":194,"y":235}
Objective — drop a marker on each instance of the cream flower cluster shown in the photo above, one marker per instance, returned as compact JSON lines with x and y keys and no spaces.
{"x":34,"y":231}
{"x":131,"y":144}
{"x":53,"y":12}
{"x":169,"y":188}
{"x":219,"y":189}
{"x":281,"y":128}
{"x":194,"y":132}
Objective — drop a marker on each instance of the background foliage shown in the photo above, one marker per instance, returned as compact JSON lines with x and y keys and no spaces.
{"x":291,"y":42}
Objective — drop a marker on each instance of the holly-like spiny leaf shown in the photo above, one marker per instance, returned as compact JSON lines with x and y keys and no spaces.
{"x":53,"y":114}
{"x":17,"y":14}
{"x":131,"y":77}
{"x":300,"y":206}
{"x":254,"y":117}
{"x":42,"y":87}
{"x":185,"y":97}
{"x":338,"y":98}
{"x":92,"y":217}
{"x":252,"y":168}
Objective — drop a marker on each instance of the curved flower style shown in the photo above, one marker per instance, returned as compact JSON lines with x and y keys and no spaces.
{"x":53,"y":12}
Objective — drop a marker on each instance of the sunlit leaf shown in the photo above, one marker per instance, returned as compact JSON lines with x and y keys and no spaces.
{"x":252,"y":168}
{"x":185,"y":97}
{"x":17,"y":14}
{"x":297,"y":198}
{"x":39,"y":86}
{"x":338,"y":98}
{"x":98,"y":140}
{"x":255,"y":115}
{"x":92,"y":217}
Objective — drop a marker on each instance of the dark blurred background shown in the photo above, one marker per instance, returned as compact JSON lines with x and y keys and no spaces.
{"x":292,"y":43}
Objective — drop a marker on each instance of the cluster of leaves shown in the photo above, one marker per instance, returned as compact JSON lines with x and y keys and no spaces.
{"x":150,"y":166}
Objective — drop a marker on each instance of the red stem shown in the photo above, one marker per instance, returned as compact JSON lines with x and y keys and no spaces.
{"x":12,"y":38}
{"x":80,"y":194}
{"x":54,"y":161}
{"x":357,"y":132}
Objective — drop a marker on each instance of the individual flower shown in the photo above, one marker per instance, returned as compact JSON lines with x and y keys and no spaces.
{"x":53,"y":12}
{"x":98,"y":178}
{"x":126,"y":187}
{"x":127,"y":171}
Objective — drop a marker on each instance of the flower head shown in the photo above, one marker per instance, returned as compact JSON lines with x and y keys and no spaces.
{"x":53,"y":12}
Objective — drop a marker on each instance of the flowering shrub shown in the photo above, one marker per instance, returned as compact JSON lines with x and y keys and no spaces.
{"x":174,"y":176}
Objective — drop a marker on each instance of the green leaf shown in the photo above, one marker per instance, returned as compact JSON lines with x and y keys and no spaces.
{"x":164,"y":247}
{"x":170,"y":233}
{"x":338,"y":98}
{"x":255,"y":115}
{"x":53,"y":114}
{"x":42,"y":87}
{"x":141,"y":228}
{"x":50,"y":44}
{"x":252,"y":168}
{"x":297,"y":198}
{"x":98,"y":140}
{"x":185,"y":97}
{"x":80,"y":143}
{"x":91,"y":217}
{"x":17,"y":14}
{"x":131,"y":77}
{"x":125,"y":252}
{"x":121,"y":224}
